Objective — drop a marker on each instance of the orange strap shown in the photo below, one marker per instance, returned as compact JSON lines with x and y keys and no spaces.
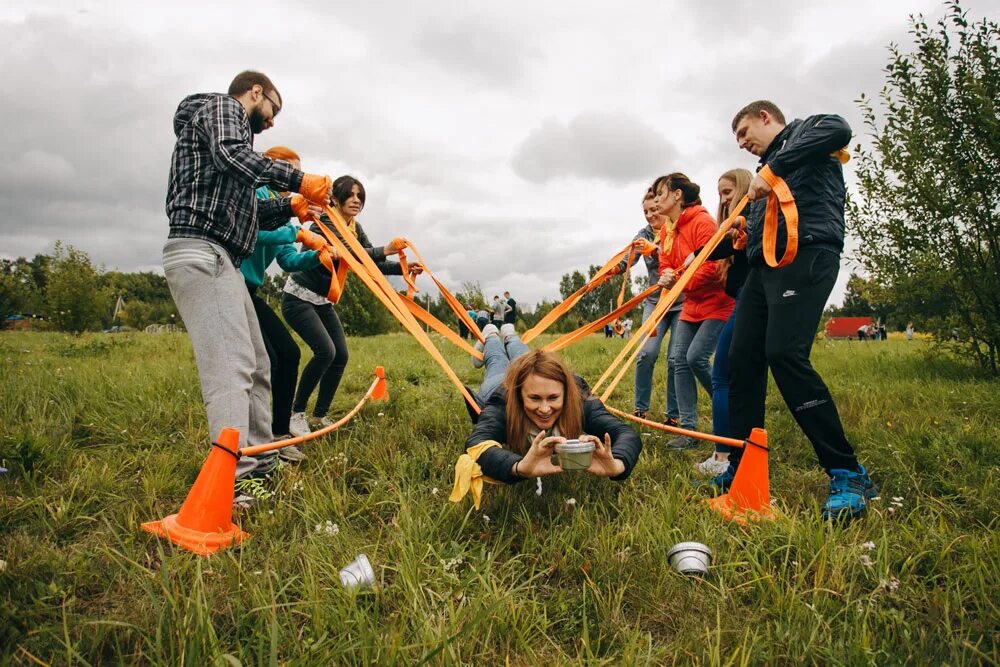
{"x":573,"y":336}
{"x":440,"y":327}
{"x":603,"y":274}
{"x":369,"y":274}
{"x":626,"y":275}
{"x":711,"y":437}
{"x":780,"y":196}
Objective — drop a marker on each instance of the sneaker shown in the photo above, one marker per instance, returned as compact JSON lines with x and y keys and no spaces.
{"x":298,"y":425}
{"x":507,"y":332}
{"x":476,"y":362}
{"x":849,"y":494}
{"x":723,"y":481}
{"x":682,"y":442}
{"x":321,"y":422}
{"x":292,"y":454}
{"x":636,"y":412}
{"x":712,"y":467}
{"x":672,"y":421}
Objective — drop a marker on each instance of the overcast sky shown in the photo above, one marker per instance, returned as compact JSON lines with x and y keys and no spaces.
{"x":510,"y":141}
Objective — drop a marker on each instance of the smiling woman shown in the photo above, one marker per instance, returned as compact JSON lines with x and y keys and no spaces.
{"x":533,"y":406}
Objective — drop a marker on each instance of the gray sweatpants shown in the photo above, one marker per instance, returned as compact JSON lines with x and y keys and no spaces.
{"x":232,"y":361}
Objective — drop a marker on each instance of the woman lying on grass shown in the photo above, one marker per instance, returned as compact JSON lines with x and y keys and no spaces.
{"x":530,"y":402}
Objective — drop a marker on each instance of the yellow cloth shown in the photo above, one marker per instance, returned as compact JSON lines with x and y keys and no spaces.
{"x":667,"y":235}
{"x":469,"y":476}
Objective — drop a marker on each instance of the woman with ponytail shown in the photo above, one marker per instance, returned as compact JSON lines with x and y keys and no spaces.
{"x":706,"y":305}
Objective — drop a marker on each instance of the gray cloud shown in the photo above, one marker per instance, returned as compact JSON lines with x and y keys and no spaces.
{"x":478,"y":49}
{"x":611,"y":145}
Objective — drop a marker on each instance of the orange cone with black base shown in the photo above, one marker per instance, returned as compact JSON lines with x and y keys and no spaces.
{"x":204,"y":523}
{"x":749,"y":495}
{"x":381,"y":392}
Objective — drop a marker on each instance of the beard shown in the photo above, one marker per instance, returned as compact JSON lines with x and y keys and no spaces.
{"x":256,"y":121}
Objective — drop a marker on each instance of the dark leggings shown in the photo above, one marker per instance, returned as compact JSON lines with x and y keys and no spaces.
{"x":320,"y":328}
{"x":284,"y":354}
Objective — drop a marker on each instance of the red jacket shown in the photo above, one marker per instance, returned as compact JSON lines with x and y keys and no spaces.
{"x":705,"y":296}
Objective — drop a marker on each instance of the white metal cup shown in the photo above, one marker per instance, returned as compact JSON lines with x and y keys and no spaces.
{"x":358,"y":573}
{"x":690,"y":558}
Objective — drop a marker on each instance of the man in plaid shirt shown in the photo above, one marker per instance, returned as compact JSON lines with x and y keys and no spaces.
{"x":214,"y":219}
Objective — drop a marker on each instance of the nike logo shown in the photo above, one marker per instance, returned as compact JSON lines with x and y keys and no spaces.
{"x":788,"y":293}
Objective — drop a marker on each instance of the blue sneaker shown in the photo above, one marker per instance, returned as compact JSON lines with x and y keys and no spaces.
{"x":725,"y":480}
{"x":849,"y":493}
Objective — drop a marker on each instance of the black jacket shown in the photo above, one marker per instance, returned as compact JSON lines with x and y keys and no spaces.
{"x":737,"y":273}
{"x":801,"y":154}
{"x":318,"y":279}
{"x":492,"y":425}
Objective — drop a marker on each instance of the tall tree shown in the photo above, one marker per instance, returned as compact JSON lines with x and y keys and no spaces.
{"x":928,"y":210}
{"x":77,"y":299}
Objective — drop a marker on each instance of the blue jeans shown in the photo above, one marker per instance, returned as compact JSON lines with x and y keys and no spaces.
{"x":691,"y":347}
{"x":497,"y":358}
{"x":646,"y":361}
{"x":720,"y":384}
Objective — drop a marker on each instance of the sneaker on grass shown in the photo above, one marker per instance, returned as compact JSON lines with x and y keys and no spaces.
{"x":292,"y":454}
{"x":682,"y":442}
{"x":298,"y":425}
{"x":850,"y":492}
{"x":711,"y":467}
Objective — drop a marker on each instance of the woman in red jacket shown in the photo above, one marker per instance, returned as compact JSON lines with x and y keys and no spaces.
{"x":706,"y":304}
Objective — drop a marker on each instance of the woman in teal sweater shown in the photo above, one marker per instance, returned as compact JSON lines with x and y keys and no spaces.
{"x":282,"y":349}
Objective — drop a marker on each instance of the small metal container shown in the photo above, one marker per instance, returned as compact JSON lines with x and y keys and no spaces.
{"x":358,"y":573}
{"x":574,"y":455}
{"x":690,"y":558}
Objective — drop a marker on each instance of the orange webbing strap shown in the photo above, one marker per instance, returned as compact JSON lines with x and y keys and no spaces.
{"x":781,"y":197}
{"x":711,"y":437}
{"x":626,"y":275}
{"x":740,"y":224}
{"x":602,"y":275}
{"x":440,"y":327}
{"x":573,"y":336}
{"x":449,"y":298}
{"x":663,"y":305}
{"x":260,"y":449}
{"x":369,"y":273}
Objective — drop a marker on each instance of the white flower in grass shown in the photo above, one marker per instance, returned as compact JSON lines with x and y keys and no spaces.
{"x":866,"y":560}
{"x":868,"y":546}
{"x":381,"y":414}
{"x":891,"y":584}
{"x":328,"y":528}
{"x":434,"y":491}
{"x":486,"y":518}
{"x":571,"y":502}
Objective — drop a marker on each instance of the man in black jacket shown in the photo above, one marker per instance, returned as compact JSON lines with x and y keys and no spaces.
{"x":779,"y":308}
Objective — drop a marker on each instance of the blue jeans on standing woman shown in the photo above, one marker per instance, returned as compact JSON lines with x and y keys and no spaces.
{"x":720,"y":384}
{"x":691,"y":347}
{"x":497,"y":356}
{"x":646,"y":361}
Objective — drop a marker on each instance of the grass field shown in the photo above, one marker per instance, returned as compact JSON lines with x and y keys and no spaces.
{"x":102,"y":432}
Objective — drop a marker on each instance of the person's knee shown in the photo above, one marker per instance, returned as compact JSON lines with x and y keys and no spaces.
{"x":785,"y":356}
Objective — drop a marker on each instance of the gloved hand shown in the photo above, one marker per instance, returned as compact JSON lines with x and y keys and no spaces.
{"x":615,"y":270}
{"x":395,"y":245}
{"x":311,"y":240}
{"x":416,"y":268}
{"x":301,"y":209}
{"x":644,"y":247}
{"x":327,"y":256}
{"x":316,"y":188}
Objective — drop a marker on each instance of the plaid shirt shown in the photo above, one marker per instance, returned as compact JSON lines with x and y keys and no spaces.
{"x":214,"y":172}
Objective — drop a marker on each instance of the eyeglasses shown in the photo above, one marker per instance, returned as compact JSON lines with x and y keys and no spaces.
{"x":274,"y":106}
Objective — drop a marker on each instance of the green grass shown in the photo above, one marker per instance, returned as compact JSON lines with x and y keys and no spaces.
{"x":103,"y":432}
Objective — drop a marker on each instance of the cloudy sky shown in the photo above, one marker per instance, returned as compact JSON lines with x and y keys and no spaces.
{"x":511,"y":142}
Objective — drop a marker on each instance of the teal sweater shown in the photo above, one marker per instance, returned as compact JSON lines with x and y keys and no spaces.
{"x":276,"y":245}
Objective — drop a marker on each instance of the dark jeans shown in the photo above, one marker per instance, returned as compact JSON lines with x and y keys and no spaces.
{"x":284,"y":354}
{"x":320,"y":328}
{"x":776,"y":320}
{"x":720,"y":384}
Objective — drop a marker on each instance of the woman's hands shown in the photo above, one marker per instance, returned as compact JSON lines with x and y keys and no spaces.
{"x":537,"y":462}
{"x":602,"y":464}
{"x":667,"y":279}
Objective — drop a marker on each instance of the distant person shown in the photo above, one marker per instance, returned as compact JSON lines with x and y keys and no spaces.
{"x":314,"y":317}
{"x":780,"y":308}
{"x":609,"y":331}
{"x":531,"y":401}
{"x":500,"y":309}
{"x":628,"y":329}
{"x":214,"y":219}
{"x":909,"y":331}
{"x":706,"y":304}
{"x":483,"y":316}
{"x":511,"y":316}
{"x":463,"y":330}
{"x":863,"y":332}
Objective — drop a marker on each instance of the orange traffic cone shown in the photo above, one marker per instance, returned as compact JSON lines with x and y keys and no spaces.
{"x":749,"y":495}
{"x":203,"y":524}
{"x":381,"y":392}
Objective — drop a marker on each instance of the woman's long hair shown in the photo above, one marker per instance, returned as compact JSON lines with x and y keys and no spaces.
{"x":741,"y":179}
{"x":549,"y":366}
